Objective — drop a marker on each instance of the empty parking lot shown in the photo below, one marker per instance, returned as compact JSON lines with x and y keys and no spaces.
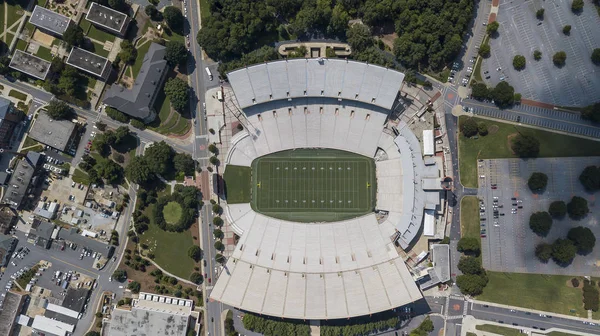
{"x":520,"y":33}
{"x":510,"y":246}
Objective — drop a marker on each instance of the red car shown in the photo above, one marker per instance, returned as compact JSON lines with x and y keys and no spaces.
{"x":208,"y":280}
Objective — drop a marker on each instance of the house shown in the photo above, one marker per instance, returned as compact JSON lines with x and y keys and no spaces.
{"x":108,"y":19}
{"x":48,"y":21}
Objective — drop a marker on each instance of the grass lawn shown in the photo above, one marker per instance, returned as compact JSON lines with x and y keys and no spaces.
{"x":30,"y":28}
{"x":44,"y":53}
{"x":238,"y":184}
{"x":495,"y":145}
{"x":29,"y":142}
{"x":17,"y":94}
{"x":182,"y":126}
{"x":469,"y":217}
{"x":204,"y":9}
{"x":97,"y":34}
{"x":13,"y":10}
{"x":169,"y":248}
{"x":477,"y":71}
{"x":173,"y":36}
{"x":80,"y":176}
{"x":99,"y":50}
{"x":506,"y":331}
{"x":558,"y":333}
{"x":551,"y":293}
{"x":21,"y":45}
{"x":141,"y":52}
{"x":172,"y":212}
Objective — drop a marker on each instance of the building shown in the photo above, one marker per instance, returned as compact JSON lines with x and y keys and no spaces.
{"x":49,"y":326}
{"x":11,"y":308}
{"x":7,"y":246}
{"x":152,"y":315}
{"x":9,"y":118}
{"x":75,"y":299}
{"x":7,"y":220}
{"x":57,"y":134}
{"x":23,"y":180}
{"x":41,"y":233}
{"x":89,"y":62}
{"x":428,"y":277}
{"x":30,"y":64}
{"x":44,"y":211}
{"x":108,"y":19}
{"x":49,"y":21}
{"x":62,"y":314}
{"x":138,"y":101}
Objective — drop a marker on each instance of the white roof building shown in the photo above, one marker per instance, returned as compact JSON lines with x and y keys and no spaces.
{"x":50,"y":326}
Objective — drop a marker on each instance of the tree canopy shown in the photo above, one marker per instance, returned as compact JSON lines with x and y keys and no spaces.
{"x":519,"y":62}
{"x":359,"y":37}
{"x":577,"y":6}
{"x":178,"y":92}
{"x":525,"y":145}
{"x":583,"y":238}
{"x":485,"y":50}
{"x":591,"y":112}
{"x":543,"y":252}
{"x":153,"y":13}
{"x":537,"y":55}
{"x":577,"y":208}
{"x":195,"y":252}
{"x":273,"y":326}
{"x":563,"y":251}
{"x":480,"y":91}
{"x":58,"y":110}
{"x":174,"y":18}
{"x":73,"y":35}
{"x":469,"y":245}
{"x":567,"y":29}
{"x":128,"y":53}
{"x":196,"y":278}
{"x":184,"y":163}
{"x":539,"y":14}
{"x":175,"y":53}
{"x":134,"y":287}
{"x":470,"y":265}
{"x":557,"y":209}
{"x":468,"y":127}
{"x":540,"y":223}
{"x":471,"y":284}
{"x":492,"y":28}
{"x":120,"y":275}
{"x":559,"y":58}
{"x":590,"y":178}
{"x":596,"y":56}
{"x":537,"y":182}
{"x":503,"y":94}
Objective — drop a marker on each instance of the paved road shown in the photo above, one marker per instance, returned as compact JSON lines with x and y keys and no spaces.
{"x":537,"y":116}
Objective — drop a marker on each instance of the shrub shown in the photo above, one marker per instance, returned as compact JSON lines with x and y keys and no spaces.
{"x":540,"y":14}
{"x":469,"y":127}
{"x":482,"y":129}
{"x":575,"y":282}
{"x":537,"y":55}
{"x":519,"y":62}
{"x":559,"y":58}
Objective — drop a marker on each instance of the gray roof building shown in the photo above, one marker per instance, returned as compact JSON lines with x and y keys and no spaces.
{"x":50,"y":21}
{"x":75,"y":299}
{"x":23,"y":178}
{"x":149,"y":321}
{"x":9,"y":118}
{"x":54,"y":133}
{"x":41,"y":233}
{"x":139,"y":100}
{"x":7,"y":245}
{"x":108,"y":19}
{"x":7,"y":220}
{"x":30,"y":64}
{"x":89,"y":62}
{"x":13,"y":304}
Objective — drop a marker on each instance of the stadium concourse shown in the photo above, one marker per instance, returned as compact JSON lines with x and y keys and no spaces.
{"x":326,"y":270}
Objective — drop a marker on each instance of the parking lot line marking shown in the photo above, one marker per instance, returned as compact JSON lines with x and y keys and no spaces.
{"x":86,"y":272}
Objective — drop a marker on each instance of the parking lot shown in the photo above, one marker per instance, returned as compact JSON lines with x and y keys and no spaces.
{"x":509,"y":244}
{"x":520,"y":33}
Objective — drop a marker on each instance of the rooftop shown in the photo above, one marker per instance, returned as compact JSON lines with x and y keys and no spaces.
{"x":142,"y":321}
{"x":7,"y":219}
{"x":13,"y":303}
{"x":89,"y":62}
{"x":30,"y":64}
{"x":21,"y":179}
{"x":138,"y":100}
{"x":7,"y":245}
{"x":49,"y":20}
{"x":441,"y":261}
{"x":107,"y":18}
{"x":54,"y":133}
{"x":53,"y":327}
{"x":75,"y":299}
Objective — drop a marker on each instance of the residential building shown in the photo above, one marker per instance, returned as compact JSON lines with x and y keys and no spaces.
{"x":23,"y":180}
{"x":9,"y":119}
{"x":108,"y":19}
{"x":48,"y":21}
{"x":11,"y":308}
{"x":30,"y":64}
{"x":7,"y":246}
{"x":41,"y":233}
{"x":89,"y":62}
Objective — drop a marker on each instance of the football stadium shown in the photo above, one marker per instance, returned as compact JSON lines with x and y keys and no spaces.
{"x":326,"y":198}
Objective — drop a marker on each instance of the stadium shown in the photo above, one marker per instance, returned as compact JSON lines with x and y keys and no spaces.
{"x":325,"y":196}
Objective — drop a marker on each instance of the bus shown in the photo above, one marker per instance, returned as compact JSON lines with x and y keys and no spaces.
{"x":220,"y":95}
{"x":210,"y":77}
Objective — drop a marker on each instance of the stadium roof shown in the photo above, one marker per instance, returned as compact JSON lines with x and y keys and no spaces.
{"x":49,"y":20}
{"x":336,"y":78}
{"x":89,"y":62}
{"x":30,"y":64}
{"x":108,"y":18}
{"x":54,"y":133}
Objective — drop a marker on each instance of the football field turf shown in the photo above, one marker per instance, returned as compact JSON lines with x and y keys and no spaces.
{"x":309,"y":185}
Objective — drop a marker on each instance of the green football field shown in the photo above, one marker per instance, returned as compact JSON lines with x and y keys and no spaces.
{"x":309,"y":185}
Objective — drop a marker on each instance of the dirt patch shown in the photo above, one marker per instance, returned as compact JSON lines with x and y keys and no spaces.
{"x":536,"y":103}
{"x":388,"y":40}
{"x":569,"y":284}
{"x":43,"y":38}
{"x":493,"y":129}
{"x":509,"y":142}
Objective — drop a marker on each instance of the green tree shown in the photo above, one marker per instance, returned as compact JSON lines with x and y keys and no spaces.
{"x":359,"y":37}
{"x":470,"y":265}
{"x":492,"y":28}
{"x":219,"y":246}
{"x":184,"y":163}
{"x":543,"y":252}
{"x":110,"y":171}
{"x":92,"y":333}
{"x":196,"y":278}
{"x":559,"y":58}
{"x":121,"y":133}
{"x":219,"y":258}
{"x":583,"y":238}
{"x":596,"y":56}
{"x":540,"y":223}
{"x":469,"y":127}
{"x":590,"y":178}
{"x":591,"y":112}
{"x":128,"y":53}
{"x":195,"y":252}
{"x":567,"y":29}
{"x":540,"y":14}
{"x":73,"y":35}
{"x":217,"y":221}
{"x":213,"y":149}
{"x":174,"y":18}
{"x":159,"y":158}
{"x":178,"y":92}
{"x":214,"y":160}
{"x":134,"y":287}
{"x":480,"y":91}
{"x":525,"y":145}
{"x":557,"y":209}
{"x":58,"y":110}
{"x":120,"y":275}
{"x":153,"y":13}
{"x":471,"y":284}
{"x":339,"y":21}
{"x":537,"y":182}
{"x":119,"y":5}
{"x":218,"y":233}
{"x":116,"y":115}
{"x":482,"y":129}
{"x":138,"y":170}
{"x":537,"y":55}
{"x":519,"y":62}
{"x":503,"y":94}
{"x":577,"y":208}
{"x":577,"y":6}
{"x":175,"y":53}
{"x":484,"y":50}
{"x":469,"y":245}
{"x":563,"y":251}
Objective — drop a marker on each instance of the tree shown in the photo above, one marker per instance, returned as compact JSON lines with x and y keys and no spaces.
{"x":92,"y":333}
{"x":543,"y":252}
{"x":567,"y":29}
{"x":537,"y":182}
{"x":359,"y":37}
{"x":469,"y":265}
{"x":159,"y":158}
{"x":128,"y":53}
{"x":468,"y":127}
{"x":101,"y":126}
{"x":540,"y":223}
{"x":339,"y":21}
{"x":184,"y":163}
{"x":116,"y":115}
{"x":559,"y":58}
{"x":219,"y":258}
{"x":503,"y":94}
{"x":196,"y":278}
{"x":218,"y":233}
{"x":596,"y":56}
{"x":213,"y":149}
{"x":577,"y":6}
{"x":153,"y":13}
{"x":577,"y":208}
{"x":591,"y":298}
{"x":591,"y":112}
{"x":469,"y":245}
{"x":175,"y":53}
{"x":583,"y":238}
{"x":492,"y":28}
{"x":519,"y":62}
{"x":73,"y":35}
{"x":110,"y":171}
{"x":480,"y":91}
{"x":214,"y":160}
{"x":138,"y":170}
{"x":482,"y":129}
{"x":174,"y":18}
{"x":537,"y":55}
{"x":517,"y":98}
{"x":58,"y":110}
{"x":178,"y":92}
{"x":134,"y":286}
{"x":120,"y":275}
{"x":471,"y":284}
{"x":117,"y":4}
{"x":219,"y":246}
{"x":540,"y":14}
{"x":217,"y":209}
{"x":525,"y":145}
{"x":557,"y":209}
{"x":195,"y":252}
{"x":484,"y":50}
{"x":217,"y":221}
{"x":590,"y":178}
{"x":563,"y":251}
